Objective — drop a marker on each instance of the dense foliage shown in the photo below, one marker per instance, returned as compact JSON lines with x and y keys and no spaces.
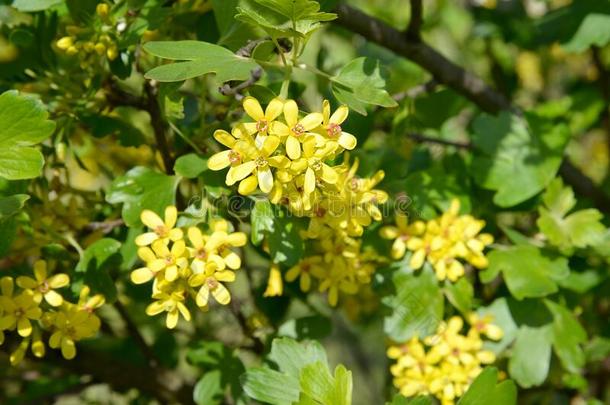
{"x":304,"y":202}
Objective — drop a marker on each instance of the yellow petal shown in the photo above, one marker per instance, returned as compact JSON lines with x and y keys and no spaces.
{"x":310,"y":181}
{"x":240,"y":172}
{"x":309,"y":146}
{"x":146,"y":254}
{"x":146,"y":238}
{"x":417,"y":260}
{"x":203,"y":296}
{"x":26,"y":282}
{"x":175,"y":234}
{"x":253,"y":108}
{"x":224,"y":138}
{"x":221,"y":294}
{"x":219,"y":161}
{"x":329,"y":174}
{"x":226,"y":276}
{"x":59,"y":280}
{"x":40,"y":270}
{"x":171,"y":273}
{"x":275,"y":286}
{"x":311,"y":121}
{"x":53,"y":298}
{"x":151,"y":219}
{"x":293,"y":147}
{"x":274,"y":109}
{"x":237,"y":239}
{"x":279,"y":129}
{"x":184,"y":311}
{"x":24,"y":327}
{"x":141,"y":275}
{"x":265,"y":180}
{"x":172,"y":319}
{"x":347,"y":141}
{"x":291,"y":113}
{"x":270,"y":145}
{"x":339,"y":115}
{"x":195,"y":236}
{"x":233,"y":261}
{"x":171,"y":215}
{"x":248,"y":185}
{"x":154,"y":308}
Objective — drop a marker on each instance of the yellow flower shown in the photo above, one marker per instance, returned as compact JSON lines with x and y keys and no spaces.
{"x":204,"y":251}
{"x":312,"y":163}
{"x":70,"y":325}
{"x":304,"y":270}
{"x":210,"y":281}
{"x":264,"y":121}
{"x":484,"y":326}
{"x":162,"y":261}
{"x":162,"y":230}
{"x":226,"y":158}
{"x":295,"y":130}
{"x":256,"y":169}
{"x":18,"y":311}
{"x":170,"y":299}
{"x":87,"y":303}
{"x":331,"y":127}
{"x":401,"y":233}
{"x":43,"y":286}
{"x":275,"y":287}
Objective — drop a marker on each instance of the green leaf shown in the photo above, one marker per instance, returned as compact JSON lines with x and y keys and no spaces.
{"x":142,"y":188}
{"x":593,"y":31}
{"x":568,"y":335}
{"x":527,"y":272}
{"x":486,"y":389}
{"x":201,"y":57}
{"x":96,"y":263}
{"x":285,"y":243}
{"x":460,"y":294}
{"x":417,"y":307}
{"x":515,"y":157}
{"x":531,"y":355}
{"x":270,"y":386}
{"x":23,"y":123}
{"x":429,"y":115}
{"x":359,"y":83}
{"x":190,"y":166}
{"x":319,"y":385}
{"x":308,"y":327}
{"x":291,"y":356}
{"x":28,"y":6}
{"x":576,"y":230}
{"x":104,"y":125}
{"x":12,"y":204}
{"x":402,"y":400}
{"x":581,"y":282}
{"x":261,"y":219}
{"x":208,"y":390}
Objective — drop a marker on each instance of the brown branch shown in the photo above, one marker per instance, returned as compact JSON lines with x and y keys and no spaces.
{"x":441,"y":68}
{"x":419,"y":138}
{"x":105,"y":226}
{"x":415,"y":23}
{"x":416,"y":91}
{"x":462,"y":81}
{"x":227,"y":90}
{"x":159,"y":125}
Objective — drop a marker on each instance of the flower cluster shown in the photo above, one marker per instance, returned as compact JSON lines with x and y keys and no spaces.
{"x":95,"y":41}
{"x":441,"y":241}
{"x":35,"y":306}
{"x":178,"y":270}
{"x":446,"y":363}
{"x":290,"y":157}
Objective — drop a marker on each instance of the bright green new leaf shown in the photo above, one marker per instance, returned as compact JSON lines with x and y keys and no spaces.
{"x":515,"y":157}
{"x":270,"y":386}
{"x":576,"y":230}
{"x":97,"y":262}
{"x":402,"y":400}
{"x":201,"y":58}
{"x":261,"y":219}
{"x":142,"y":188}
{"x":460,"y":294}
{"x":531,"y":355}
{"x":28,"y":6}
{"x":486,"y":389}
{"x":190,"y":166}
{"x":319,"y":385}
{"x":527,"y":272}
{"x":360,"y":83}
{"x":291,"y":356}
{"x":417,"y":307}
{"x":593,"y":31}
{"x":23,"y":123}
{"x":209,"y":390}
{"x":12,"y":204}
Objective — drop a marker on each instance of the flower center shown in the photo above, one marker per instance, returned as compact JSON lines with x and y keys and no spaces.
{"x":316,"y":164}
{"x":262,"y":126}
{"x":298,"y":130}
{"x":261,"y":161}
{"x":202,"y":254}
{"x":234,"y":157}
{"x":44,"y":287}
{"x":212,"y":283}
{"x":320,"y":212}
{"x":162,"y":231}
{"x":169,"y":259}
{"x":354,"y":184}
{"x":333,"y":130}
{"x":19,"y":312}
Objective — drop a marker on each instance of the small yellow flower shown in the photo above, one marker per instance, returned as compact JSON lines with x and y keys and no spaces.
{"x":312,"y":163}
{"x":71,"y":325}
{"x":275,"y":287}
{"x":170,"y":299}
{"x":162,"y":230}
{"x":210,"y":282}
{"x":264,"y":121}
{"x":401,"y":233}
{"x":304,"y":270}
{"x":162,"y":261}
{"x":295,"y":131}
{"x":484,"y":326}
{"x":44,"y":286}
{"x":331,"y":127}
{"x":18,"y":312}
{"x":65,"y":42}
{"x":224,"y":159}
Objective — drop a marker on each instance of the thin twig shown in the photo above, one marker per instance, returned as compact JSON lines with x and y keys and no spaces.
{"x":427,"y":139}
{"x":416,"y":91}
{"x":255,"y":76}
{"x":413,"y":30}
{"x":159,"y":125}
{"x":105,"y":226}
